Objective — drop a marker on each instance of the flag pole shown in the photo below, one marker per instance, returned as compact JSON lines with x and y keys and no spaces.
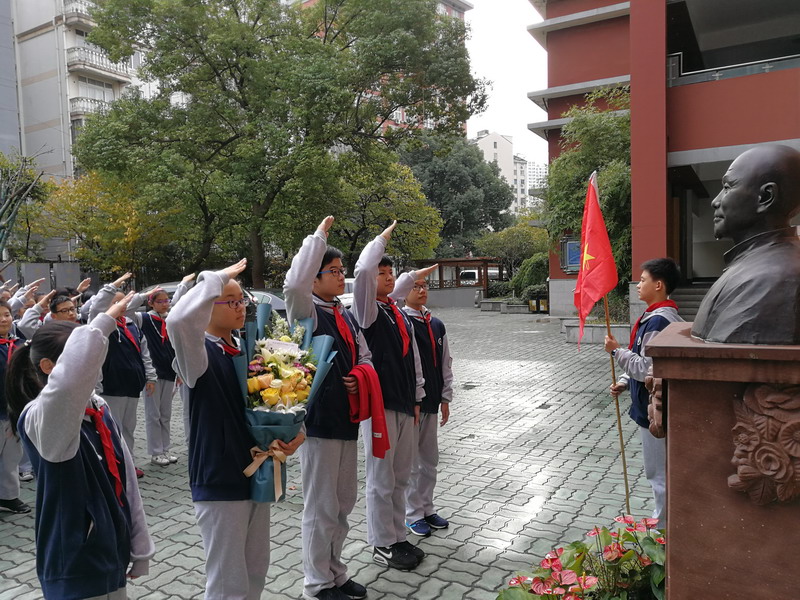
{"x":619,"y":418}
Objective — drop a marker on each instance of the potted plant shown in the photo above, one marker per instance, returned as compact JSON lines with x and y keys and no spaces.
{"x":626,"y":564}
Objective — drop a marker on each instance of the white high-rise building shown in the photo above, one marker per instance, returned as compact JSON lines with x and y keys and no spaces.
{"x":61,"y":78}
{"x":9,"y":109}
{"x":499,"y":149}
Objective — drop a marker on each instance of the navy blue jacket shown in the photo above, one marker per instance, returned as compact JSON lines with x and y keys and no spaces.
{"x":396,"y":372}
{"x":434,"y":379}
{"x":219,"y":440}
{"x":161,"y":352}
{"x":123,"y":369}
{"x":83,"y":535}
{"x":640,"y":397}
{"x":328,"y":413}
{"x":3,"y":365}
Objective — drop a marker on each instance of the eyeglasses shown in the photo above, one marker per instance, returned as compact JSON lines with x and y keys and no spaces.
{"x":335,"y":272}
{"x":419,"y":288}
{"x":234,"y":304}
{"x":164,"y":301}
{"x":66,"y":311}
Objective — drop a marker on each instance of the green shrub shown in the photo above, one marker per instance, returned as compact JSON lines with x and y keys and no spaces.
{"x":499,"y":289}
{"x":533,"y":270}
{"x":533,"y":291}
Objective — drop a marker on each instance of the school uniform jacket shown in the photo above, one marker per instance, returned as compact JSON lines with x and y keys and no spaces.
{"x":128,"y":366}
{"x":439,"y":373}
{"x":85,"y":540}
{"x":328,"y":414}
{"x":219,"y":440}
{"x":637,"y":364}
{"x":402,"y":382}
{"x":7,"y":348}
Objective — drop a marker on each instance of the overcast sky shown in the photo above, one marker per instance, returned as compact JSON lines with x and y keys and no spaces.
{"x":502,"y":50}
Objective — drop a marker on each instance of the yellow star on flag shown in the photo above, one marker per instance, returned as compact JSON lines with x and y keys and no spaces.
{"x":586,"y":256}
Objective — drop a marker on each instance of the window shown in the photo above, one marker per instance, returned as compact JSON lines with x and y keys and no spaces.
{"x":95,"y":89}
{"x":495,"y":145}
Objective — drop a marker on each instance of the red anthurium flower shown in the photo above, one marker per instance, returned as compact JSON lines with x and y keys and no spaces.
{"x":565,"y":577}
{"x":559,"y":591}
{"x":594,"y":532}
{"x":555,"y":553}
{"x":627,"y":519}
{"x":661,"y":540}
{"x":613,"y":534}
{"x":571,"y":596}
{"x":518,"y":581}
{"x":645,"y":560}
{"x":613,"y":551}
{"x":539,"y":586}
{"x":584,"y":582}
{"x":636,"y":527}
{"x":551,"y":563}
{"x":650,"y":523}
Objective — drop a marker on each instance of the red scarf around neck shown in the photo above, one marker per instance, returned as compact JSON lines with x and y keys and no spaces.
{"x":427,"y":317}
{"x":346,"y":333}
{"x":401,"y":324}
{"x":123,"y":324}
{"x":163,"y":323}
{"x":12,"y":345}
{"x":112,"y":463}
{"x":651,"y":308}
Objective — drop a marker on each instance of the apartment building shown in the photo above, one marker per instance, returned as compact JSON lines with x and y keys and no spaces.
{"x":61,"y":78}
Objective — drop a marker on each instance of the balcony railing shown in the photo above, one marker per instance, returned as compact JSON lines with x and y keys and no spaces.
{"x":79,"y":12}
{"x":677,"y":76}
{"x":87,"y":105}
{"x":96,"y":59}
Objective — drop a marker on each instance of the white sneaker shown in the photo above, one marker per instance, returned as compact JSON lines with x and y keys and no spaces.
{"x":171,"y":458}
{"x":159,"y":459}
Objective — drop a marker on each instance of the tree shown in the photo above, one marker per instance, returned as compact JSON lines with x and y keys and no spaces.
{"x":597,"y":138}
{"x":255,"y":96}
{"x":513,"y":244}
{"x":115,"y":232}
{"x":468,"y":191}
{"x":375,"y":194}
{"x":21,"y":191}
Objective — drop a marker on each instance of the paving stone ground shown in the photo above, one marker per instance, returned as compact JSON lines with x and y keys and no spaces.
{"x":529,"y":460}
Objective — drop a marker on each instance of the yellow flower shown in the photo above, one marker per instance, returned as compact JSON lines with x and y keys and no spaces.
{"x":271,"y":396}
{"x":252,"y":385}
{"x":285,"y":338}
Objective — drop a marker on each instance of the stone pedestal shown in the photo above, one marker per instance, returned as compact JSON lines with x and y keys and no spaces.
{"x":721,"y":543}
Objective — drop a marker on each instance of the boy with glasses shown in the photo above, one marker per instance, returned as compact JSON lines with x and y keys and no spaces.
{"x":234,"y":528}
{"x":434,"y":354}
{"x":330,"y":454}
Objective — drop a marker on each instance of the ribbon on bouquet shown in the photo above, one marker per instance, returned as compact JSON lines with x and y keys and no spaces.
{"x":259,"y":456}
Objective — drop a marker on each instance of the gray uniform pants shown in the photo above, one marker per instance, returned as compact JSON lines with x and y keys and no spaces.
{"x":183,"y":390}
{"x":236,"y":543}
{"x":654,"y":453}
{"x":157,"y":415}
{"x":330,"y":483}
{"x":388,"y":478}
{"x":419,"y":495}
{"x":123,"y":410}
{"x":10,"y":455}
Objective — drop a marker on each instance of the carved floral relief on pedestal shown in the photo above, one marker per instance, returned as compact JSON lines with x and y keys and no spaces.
{"x":766,"y":438}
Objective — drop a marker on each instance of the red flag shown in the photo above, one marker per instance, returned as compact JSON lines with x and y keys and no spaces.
{"x":598,"y":273}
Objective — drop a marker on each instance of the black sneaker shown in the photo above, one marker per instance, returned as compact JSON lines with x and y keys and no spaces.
{"x":330,"y":594}
{"x":354,"y":590}
{"x":409,"y":548}
{"x":394,"y":558}
{"x":16,"y":506}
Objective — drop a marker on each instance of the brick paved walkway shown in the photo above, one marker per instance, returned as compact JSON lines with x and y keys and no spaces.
{"x":528,"y":460}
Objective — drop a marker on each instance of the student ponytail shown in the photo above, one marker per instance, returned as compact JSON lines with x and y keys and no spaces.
{"x":24,"y":378}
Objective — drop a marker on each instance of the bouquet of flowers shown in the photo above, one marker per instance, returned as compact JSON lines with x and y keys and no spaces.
{"x":277,"y":383}
{"x":626,"y":564}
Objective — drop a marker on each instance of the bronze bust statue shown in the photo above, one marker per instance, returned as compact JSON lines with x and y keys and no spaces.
{"x":755,"y":301}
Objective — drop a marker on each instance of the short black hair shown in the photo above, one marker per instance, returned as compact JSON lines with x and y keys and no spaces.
{"x":385,"y":262}
{"x":664,"y":269}
{"x":330,"y":255}
{"x":58,"y":300}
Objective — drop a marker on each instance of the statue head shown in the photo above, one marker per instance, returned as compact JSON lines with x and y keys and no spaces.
{"x":760,"y":193}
